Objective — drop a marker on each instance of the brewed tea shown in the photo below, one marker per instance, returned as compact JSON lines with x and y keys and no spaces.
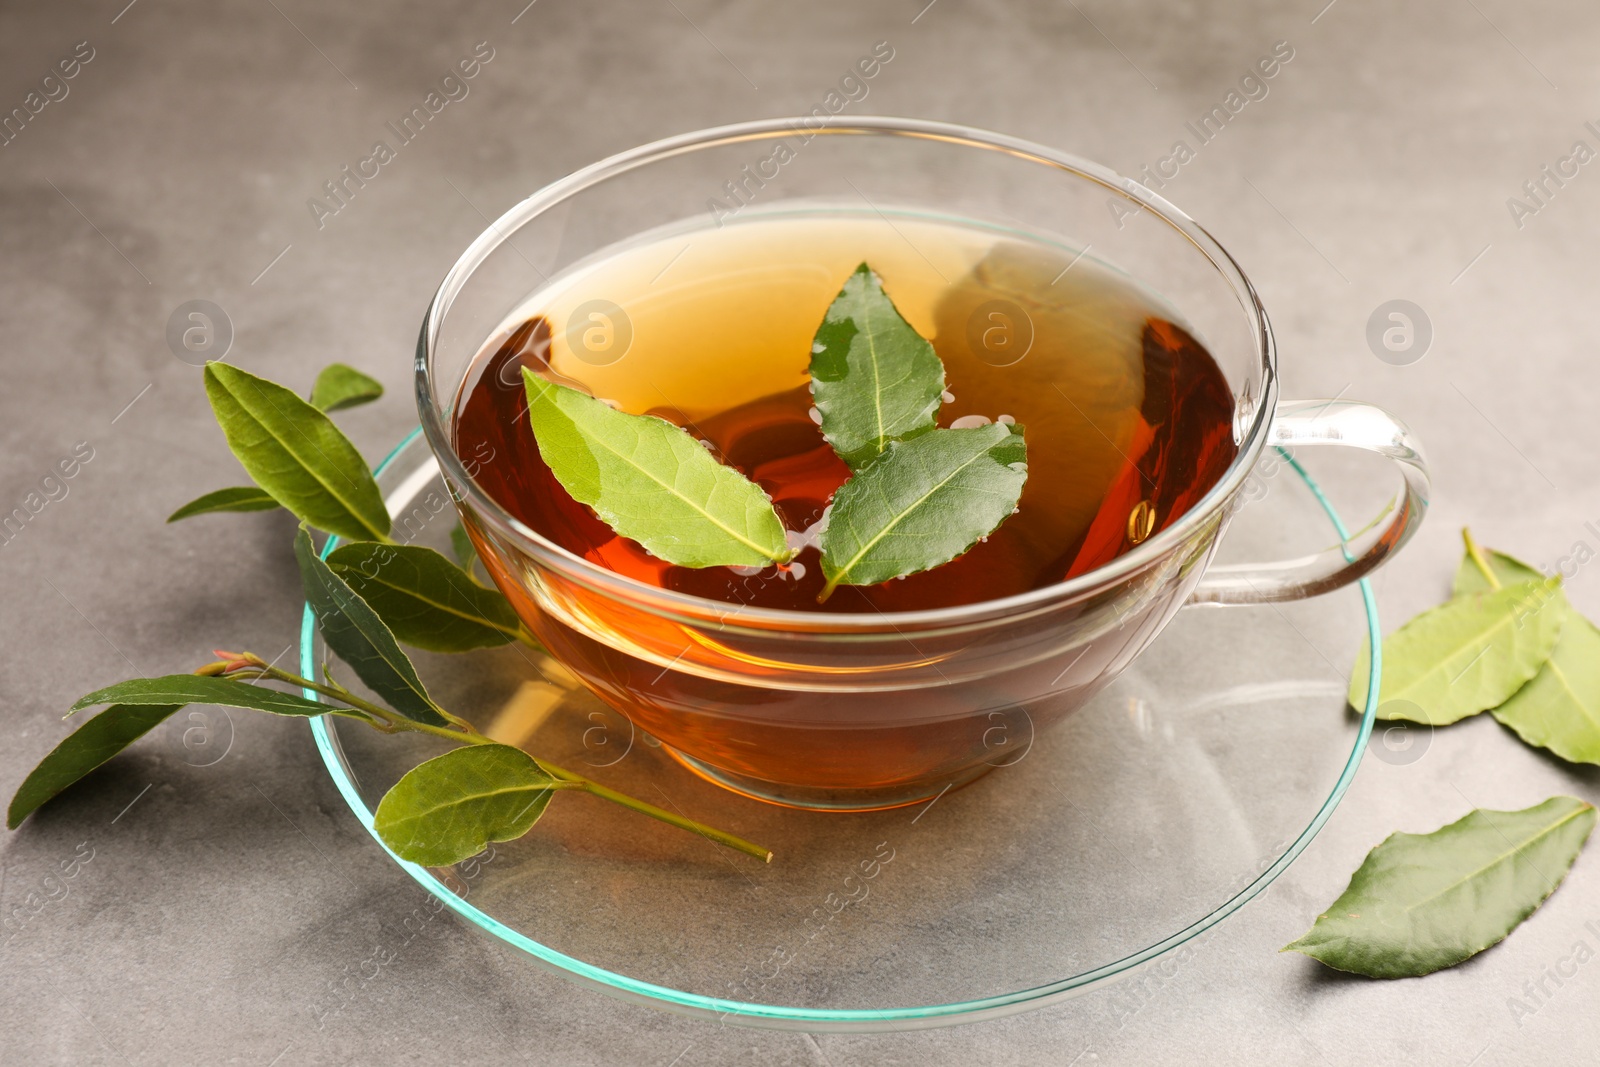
{"x":1129,"y":420}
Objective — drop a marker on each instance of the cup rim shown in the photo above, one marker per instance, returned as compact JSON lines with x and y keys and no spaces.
{"x":704,"y":609}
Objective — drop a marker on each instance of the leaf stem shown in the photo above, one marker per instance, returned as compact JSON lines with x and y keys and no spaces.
{"x":390,"y":721}
{"x":1476,"y":552}
{"x":721,"y":837}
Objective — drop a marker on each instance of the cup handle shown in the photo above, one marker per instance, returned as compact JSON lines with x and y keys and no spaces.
{"x":1352,"y":424}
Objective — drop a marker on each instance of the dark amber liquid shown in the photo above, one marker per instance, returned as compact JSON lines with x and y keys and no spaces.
{"x":1128,"y":419}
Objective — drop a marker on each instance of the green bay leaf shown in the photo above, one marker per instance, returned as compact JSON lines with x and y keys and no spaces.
{"x":873,"y":377}
{"x":296,"y":454}
{"x":204,"y":689}
{"x":1560,"y":708}
{"x":425,"y":600}
{"x":1423,"y":902}
{"x":461,"y":545}
{"x":926,"y":501}
{"x":652,"y":482}
{"x":86,"y":748}
{"x":1508,"y":570}
{"x":339,"y":386}
{"x":238,"y":498}
{"x":355,"y":633}
{"x":1466,"y":655}
{"x":452,"y":806}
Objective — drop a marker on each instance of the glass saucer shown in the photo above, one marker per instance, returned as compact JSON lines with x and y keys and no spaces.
{"x":1092,"y":850}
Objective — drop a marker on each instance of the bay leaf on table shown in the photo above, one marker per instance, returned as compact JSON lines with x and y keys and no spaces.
{"x":1465,"y":656}
{"x":1422,"y":902}
{"x":204,"y":689}
{"x":1559,"y":709}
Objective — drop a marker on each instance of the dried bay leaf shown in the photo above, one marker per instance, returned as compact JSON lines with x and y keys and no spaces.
{"x":1423,"y":902}
{"x":85,"y":749}
{"x":1467,"y":655}
{"x":1559,"y":709}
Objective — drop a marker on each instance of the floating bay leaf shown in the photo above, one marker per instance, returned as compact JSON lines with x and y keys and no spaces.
{"x":652,"y":482}
{"x":1467,"y":655}
{"x":873,"y":377}
{"x":1422,"y":902}
{"x":424,"y":599}
{"x":358,"y":636}
{"x":454,"y":805}
{"x":90,"y":745}
{"x":238,"y":498}
{"x":340,"y":386}
{"x":924,"y":502}
{"x":296,"y":454}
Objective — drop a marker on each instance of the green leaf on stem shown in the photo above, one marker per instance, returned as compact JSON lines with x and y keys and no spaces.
{"x":454,"y":805}
{"x":296,"y":454}
{"x":200,"y":689}
{"x":358,"y":636}
{"x":873,"y":377}
{"x":90,"y":745}
{"x":652,"y":482}
{"x":461,"y":545}
{"x":340,"y":386}
{"x":424,"y":599}
{"x":922,"y":504}
{"x":1423,"y":902}
{"x":1466,"y":655}
{"x":238,"y":498}
{"x":1560,"y":708}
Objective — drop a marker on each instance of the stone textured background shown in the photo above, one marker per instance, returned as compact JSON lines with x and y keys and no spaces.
{"x":178,"y":167}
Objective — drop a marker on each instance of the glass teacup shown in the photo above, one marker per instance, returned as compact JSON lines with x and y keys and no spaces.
{"x":845,"y":711}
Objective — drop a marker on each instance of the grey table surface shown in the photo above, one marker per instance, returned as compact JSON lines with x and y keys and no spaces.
{"x":178,"y":166}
